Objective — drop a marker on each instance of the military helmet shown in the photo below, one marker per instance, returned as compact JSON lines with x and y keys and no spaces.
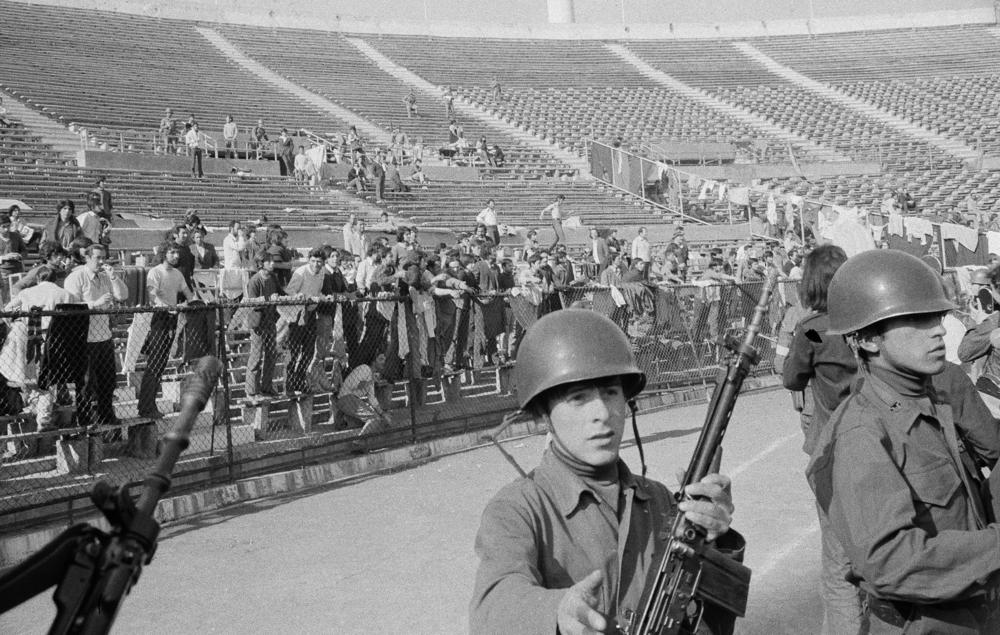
{"x":980,"y":276}
{"x":880,"y":284}
{"x":574,"y":345}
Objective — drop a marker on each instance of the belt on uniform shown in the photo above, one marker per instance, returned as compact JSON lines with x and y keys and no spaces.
{"x":897,"y":613}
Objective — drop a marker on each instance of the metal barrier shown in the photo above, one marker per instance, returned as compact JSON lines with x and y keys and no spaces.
{"x":87,"y":394}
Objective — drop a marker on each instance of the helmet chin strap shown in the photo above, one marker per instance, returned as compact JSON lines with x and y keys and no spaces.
{"x":635,"y":433}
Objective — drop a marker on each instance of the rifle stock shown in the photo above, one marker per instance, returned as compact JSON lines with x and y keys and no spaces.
{"x":691,"y":571}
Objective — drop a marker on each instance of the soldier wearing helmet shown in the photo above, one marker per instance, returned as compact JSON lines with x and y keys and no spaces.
{"x":566,"y":548}
{"x":896,"y":469}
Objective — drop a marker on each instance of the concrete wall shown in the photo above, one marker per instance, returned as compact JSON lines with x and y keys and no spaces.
{"x":100,"y":160}
{"x":595,"y":19}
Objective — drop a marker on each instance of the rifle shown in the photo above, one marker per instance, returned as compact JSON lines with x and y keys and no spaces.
{"x":692,"y":572}
{"x":95,"y":570}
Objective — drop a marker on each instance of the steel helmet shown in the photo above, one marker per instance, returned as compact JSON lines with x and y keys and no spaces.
{"x":574,"y":345}
{"x":980,"y":276}
{"x":880,"y":284}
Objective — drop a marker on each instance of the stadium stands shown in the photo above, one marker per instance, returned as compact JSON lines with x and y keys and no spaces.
{"x":135,"y":69}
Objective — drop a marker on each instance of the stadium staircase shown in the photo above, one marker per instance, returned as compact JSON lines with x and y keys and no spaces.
{"x":953,"y":147}
{"x":49,"y":133}
{"x":815,"y":151}
{"x":435,"y":93}
{"x":365,"y":128}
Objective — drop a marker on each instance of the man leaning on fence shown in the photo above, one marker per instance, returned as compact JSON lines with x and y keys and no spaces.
{"x":263,"y":332}
{"x":165,"y":286}
{"x":96,"y":284}
{"x":306,"y":283}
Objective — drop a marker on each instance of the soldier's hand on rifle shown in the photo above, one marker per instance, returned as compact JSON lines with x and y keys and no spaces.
{"x":576,"y":613}
{"x":710,"y":505}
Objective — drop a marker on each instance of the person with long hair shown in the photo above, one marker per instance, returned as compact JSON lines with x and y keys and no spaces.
{"x":827,"y":365}
{"x":64,"y":228}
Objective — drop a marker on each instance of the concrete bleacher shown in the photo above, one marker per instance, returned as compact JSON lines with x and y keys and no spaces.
{"x":134,"y":69}
{"x":327,"y":64}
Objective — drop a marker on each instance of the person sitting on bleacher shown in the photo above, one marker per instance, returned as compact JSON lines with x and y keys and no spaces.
{"x":53,"y":257}
{"x":418,"y":175}
{"x":482,"y":150}
{"x":358,"y":401}
{"x":356,"y":178}
{"x":499,"y":159}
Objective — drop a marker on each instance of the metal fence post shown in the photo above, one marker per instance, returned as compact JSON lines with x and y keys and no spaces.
{"x":223,"y":409}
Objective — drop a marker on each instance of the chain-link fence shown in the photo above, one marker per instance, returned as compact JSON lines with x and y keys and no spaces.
{"x":87,"y":394}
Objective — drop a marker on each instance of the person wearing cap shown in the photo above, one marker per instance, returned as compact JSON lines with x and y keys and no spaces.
{"x":896,"y":468}
{"x":567,"y":548}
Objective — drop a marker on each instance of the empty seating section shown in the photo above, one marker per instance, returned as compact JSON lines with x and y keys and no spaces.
{"x":709,"y":64}
{"x":115,"y":74}
{"x":566,"y":91}
{"x":328,"y":64}
{"x":638,"y":115}
{"x":887,"y":55}
{"x":516,"y":64}
{"x":960,"y":107}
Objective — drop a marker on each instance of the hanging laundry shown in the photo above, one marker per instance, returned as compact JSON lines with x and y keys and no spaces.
{"x":722,"y":192}
{"x":739,"y":196}
{"x":966,"y":236}
{"x":993,"y":242}
{"x":772,"y":209}
{"x":706,"y":189}
{"x":918,"y":227}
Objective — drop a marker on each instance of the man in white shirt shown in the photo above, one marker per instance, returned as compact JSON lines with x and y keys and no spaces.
{"x":232,"y":247}
{"x":99,"y":286}
{"x":165,"y":286}
{"x":488,"y":218}
{"x":641,"y":250}
{"x":301,"y":166}
{"x":195,"y":141}
{"x":229,"y":132}
{"x":44,"y":295}
{"x":306,"y":283}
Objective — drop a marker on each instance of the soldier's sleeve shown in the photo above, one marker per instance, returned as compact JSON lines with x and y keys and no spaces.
{"x":872,"y":512}
{"x":976,"y":342}
{"x":508,"y":595}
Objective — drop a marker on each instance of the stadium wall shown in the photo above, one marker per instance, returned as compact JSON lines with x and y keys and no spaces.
{"x":593,"y":19}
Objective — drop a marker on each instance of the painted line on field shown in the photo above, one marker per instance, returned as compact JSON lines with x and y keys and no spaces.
{"x":793,"y":546}
{"x":777,"y":443}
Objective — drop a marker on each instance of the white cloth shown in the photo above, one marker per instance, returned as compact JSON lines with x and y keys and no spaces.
{"x":896,"y":224}
{"x":772,"y":209}
{"x":918,"y":227}
{"x":848,"y":233}
{"x":966,"y":236}
{"x":739,"y":196}
{"x":138,"y":330}
{"x":993,"y":242}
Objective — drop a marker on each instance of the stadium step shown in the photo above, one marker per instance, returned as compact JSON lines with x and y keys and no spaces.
{"x":50,"y":132}
{"x":468,"y":109}
{"x":748,"y":118}
{"x":366,"y":128}
{"x":950,"y":145}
